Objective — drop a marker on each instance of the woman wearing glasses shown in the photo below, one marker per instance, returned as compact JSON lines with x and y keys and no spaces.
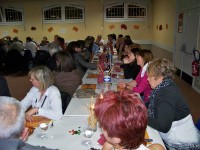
{"x":44,"y":97}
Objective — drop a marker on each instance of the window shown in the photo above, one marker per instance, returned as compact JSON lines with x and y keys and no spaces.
{"x":125,"y":12}
{"x":73,"y":13}
{"x":64,"y":13}
{"x":10,"y":15}
{"x":116,"y":11}
{"x":53,"y":14}
{"x":135,"y":11}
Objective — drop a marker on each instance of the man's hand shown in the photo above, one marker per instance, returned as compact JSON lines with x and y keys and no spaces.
{"x":24,"y":135}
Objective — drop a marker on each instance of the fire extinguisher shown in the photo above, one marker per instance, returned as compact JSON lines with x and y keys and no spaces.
{"x":195,"y":63}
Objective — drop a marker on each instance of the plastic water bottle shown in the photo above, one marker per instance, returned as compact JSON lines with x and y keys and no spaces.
{"x":107,"y":81}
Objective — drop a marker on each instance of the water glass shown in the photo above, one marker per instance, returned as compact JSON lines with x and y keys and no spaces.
{"x":43,"y":128}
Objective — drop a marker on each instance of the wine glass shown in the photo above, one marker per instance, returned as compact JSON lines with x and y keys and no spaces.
{"x":88,"y":132}
{"x":43,"y":128}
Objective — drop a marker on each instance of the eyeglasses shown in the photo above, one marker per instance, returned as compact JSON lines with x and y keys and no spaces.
{"x":32,"y":79}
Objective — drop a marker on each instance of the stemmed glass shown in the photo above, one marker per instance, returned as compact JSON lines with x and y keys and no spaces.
{"x":88,"y":134}
{"x":43,"y":128}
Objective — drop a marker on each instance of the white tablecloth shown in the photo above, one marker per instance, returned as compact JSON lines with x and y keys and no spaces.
{"x":60,"y":138}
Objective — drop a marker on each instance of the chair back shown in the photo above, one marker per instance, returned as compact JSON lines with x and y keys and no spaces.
{"x":14,"y":61}
{"x":66,"y":98}
{"x":41,"y":58}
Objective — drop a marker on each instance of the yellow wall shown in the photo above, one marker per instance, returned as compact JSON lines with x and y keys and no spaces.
{"x":93,"y":24}
{"x":164,"y":12}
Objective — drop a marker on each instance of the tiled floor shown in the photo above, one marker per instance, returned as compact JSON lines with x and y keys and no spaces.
{"x":20,"y":85}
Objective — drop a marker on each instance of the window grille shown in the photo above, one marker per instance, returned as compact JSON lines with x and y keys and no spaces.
{"x":10,"y":15}
{"x":13,"y":15}
{"x":73,"y":13}
{"x":125,"y":12}
{"x":64,"y":13}
{"x":115,"y":11}
{"x":53,"y":14}
{"x":135,"y":11}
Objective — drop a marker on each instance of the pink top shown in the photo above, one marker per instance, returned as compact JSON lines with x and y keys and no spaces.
{"x":143,"y":86}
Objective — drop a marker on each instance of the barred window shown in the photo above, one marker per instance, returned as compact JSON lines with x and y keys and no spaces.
{"x":135,"y":11}
{"x":125,"y":12}
{"x":115,"y":11}
{"x":73,"y":13}
{"x":13,"y":15}
{"x":63,"y":13}
{"x":53,"y":14}
{"x":10,"y":15}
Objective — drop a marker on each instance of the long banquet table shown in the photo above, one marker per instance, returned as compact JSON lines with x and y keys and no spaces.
{"x":75,"y":118}
{"x":59,"y":136}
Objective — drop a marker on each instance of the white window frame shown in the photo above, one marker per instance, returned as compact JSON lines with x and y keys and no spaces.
{"x":63,"y":14}
{"x":2,"y":14}
{"x":126,"y":18}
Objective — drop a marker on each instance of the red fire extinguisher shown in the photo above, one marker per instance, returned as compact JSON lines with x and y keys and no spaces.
{"x":195,"y":63}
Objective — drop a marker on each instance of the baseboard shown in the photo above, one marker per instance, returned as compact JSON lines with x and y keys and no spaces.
{"x":187,"y":78}
{"x":184,"y":76}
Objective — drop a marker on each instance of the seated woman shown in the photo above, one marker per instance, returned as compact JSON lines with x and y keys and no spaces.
{"x":43,"y":96}
{"x":131,"y":69}
{"x":168,"y":111}
{"x":123,"y":119}
{"x":67,"y":77}
{"x":81,"y":64}
{"x":140,"y":84}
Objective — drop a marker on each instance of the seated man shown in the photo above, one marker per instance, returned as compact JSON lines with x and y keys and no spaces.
{"x":12,"y":131}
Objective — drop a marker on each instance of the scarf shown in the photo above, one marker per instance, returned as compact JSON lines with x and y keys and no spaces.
{"x":154,"y":92}
{"x":144,"y":69}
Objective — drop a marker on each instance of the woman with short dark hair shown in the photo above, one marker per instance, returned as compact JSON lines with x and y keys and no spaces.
{"x":123,"y":119}
{"x":131,"y":68}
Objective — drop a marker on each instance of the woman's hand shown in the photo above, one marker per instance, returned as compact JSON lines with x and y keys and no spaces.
{"x":30,"y":113}
{"x":131,"y":85}
{"x":126,"y":60}
{"x":121,"y":85}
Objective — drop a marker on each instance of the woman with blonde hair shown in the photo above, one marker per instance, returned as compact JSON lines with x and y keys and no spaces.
{"x":168,"y":111}
{"x":44,"y":97}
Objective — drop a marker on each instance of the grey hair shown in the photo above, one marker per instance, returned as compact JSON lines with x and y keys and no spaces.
{"x":53,"y":48}
{"x":12,"y":117}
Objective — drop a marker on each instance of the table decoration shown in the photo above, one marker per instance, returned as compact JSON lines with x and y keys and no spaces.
{"x":92,"y":120}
